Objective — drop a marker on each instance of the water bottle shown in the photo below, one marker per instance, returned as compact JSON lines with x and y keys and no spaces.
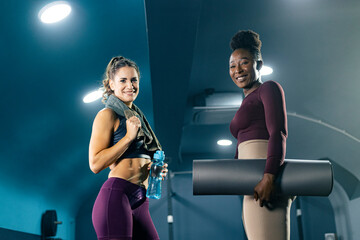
{"x":154,"y":189}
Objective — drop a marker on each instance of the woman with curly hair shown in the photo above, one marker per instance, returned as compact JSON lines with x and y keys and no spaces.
{"x":123,"y":141}
{"x":260,"y":127}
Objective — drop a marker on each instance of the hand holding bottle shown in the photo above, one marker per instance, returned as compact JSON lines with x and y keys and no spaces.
{"x":164,"y":170}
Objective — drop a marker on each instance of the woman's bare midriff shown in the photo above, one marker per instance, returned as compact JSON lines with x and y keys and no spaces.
{"x":134,"y":170}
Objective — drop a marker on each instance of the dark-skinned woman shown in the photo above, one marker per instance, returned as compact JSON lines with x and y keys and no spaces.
{"x":260,"y":127}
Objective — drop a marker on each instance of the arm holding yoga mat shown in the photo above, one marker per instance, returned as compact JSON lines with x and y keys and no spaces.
{"x":272,"y":97}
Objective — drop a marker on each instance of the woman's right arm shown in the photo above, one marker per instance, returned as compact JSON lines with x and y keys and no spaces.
{"x":101,"y":155}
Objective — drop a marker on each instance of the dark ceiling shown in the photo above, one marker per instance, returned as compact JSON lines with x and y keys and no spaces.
{"x":182,"y":48}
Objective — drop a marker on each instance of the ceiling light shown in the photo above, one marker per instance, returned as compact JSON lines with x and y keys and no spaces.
{"x":54,"y":12}
{"x":93,"y":96}
{"x":265,"y":70}
{"x":224,"y":142}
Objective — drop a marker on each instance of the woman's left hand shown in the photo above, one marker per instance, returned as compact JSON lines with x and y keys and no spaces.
{"x":264,"y":190}
{"x":164,"y":170}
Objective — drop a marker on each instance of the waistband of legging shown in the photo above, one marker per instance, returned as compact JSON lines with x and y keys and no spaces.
{"x":121,"y":184}
{"x":253,"y":141}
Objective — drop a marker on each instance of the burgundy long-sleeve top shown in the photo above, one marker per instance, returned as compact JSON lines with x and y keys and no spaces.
{"x":262,"y":115}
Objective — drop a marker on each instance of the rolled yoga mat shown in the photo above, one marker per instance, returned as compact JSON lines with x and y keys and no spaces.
{"x":240,"y":176}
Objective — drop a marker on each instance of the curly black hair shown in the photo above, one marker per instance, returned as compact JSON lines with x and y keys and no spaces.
{"x":249,"y":40}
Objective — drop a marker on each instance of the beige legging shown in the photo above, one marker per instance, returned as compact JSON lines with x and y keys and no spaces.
{"x":261,"y":223}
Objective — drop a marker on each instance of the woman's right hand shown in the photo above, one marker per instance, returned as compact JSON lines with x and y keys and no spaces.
{"x":265,"y":189}
{"x":133,"y":125}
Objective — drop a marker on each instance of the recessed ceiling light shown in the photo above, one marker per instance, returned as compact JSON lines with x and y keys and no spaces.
{"x":93,"y":96}
{"x":265,"y":70}
{"x":224,"y":142}
{"x":54,"y":12}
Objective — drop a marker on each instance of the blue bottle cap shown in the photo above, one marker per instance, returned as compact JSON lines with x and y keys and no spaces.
{"x":160,"y":155}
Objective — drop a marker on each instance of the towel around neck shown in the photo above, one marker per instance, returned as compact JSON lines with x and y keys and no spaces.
{"x":151,"y":143}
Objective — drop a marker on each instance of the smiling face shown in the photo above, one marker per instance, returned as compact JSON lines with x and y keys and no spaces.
{"x":125,"y":84}
{"x":243,"y":69}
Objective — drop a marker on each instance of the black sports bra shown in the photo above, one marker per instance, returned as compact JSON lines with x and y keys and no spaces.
{"x":136,"y":148}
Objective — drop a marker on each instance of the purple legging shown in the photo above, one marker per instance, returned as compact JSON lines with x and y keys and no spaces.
{"x":121,"y":212}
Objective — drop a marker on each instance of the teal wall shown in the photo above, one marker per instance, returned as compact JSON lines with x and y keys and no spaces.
{"x":21,"y":210}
